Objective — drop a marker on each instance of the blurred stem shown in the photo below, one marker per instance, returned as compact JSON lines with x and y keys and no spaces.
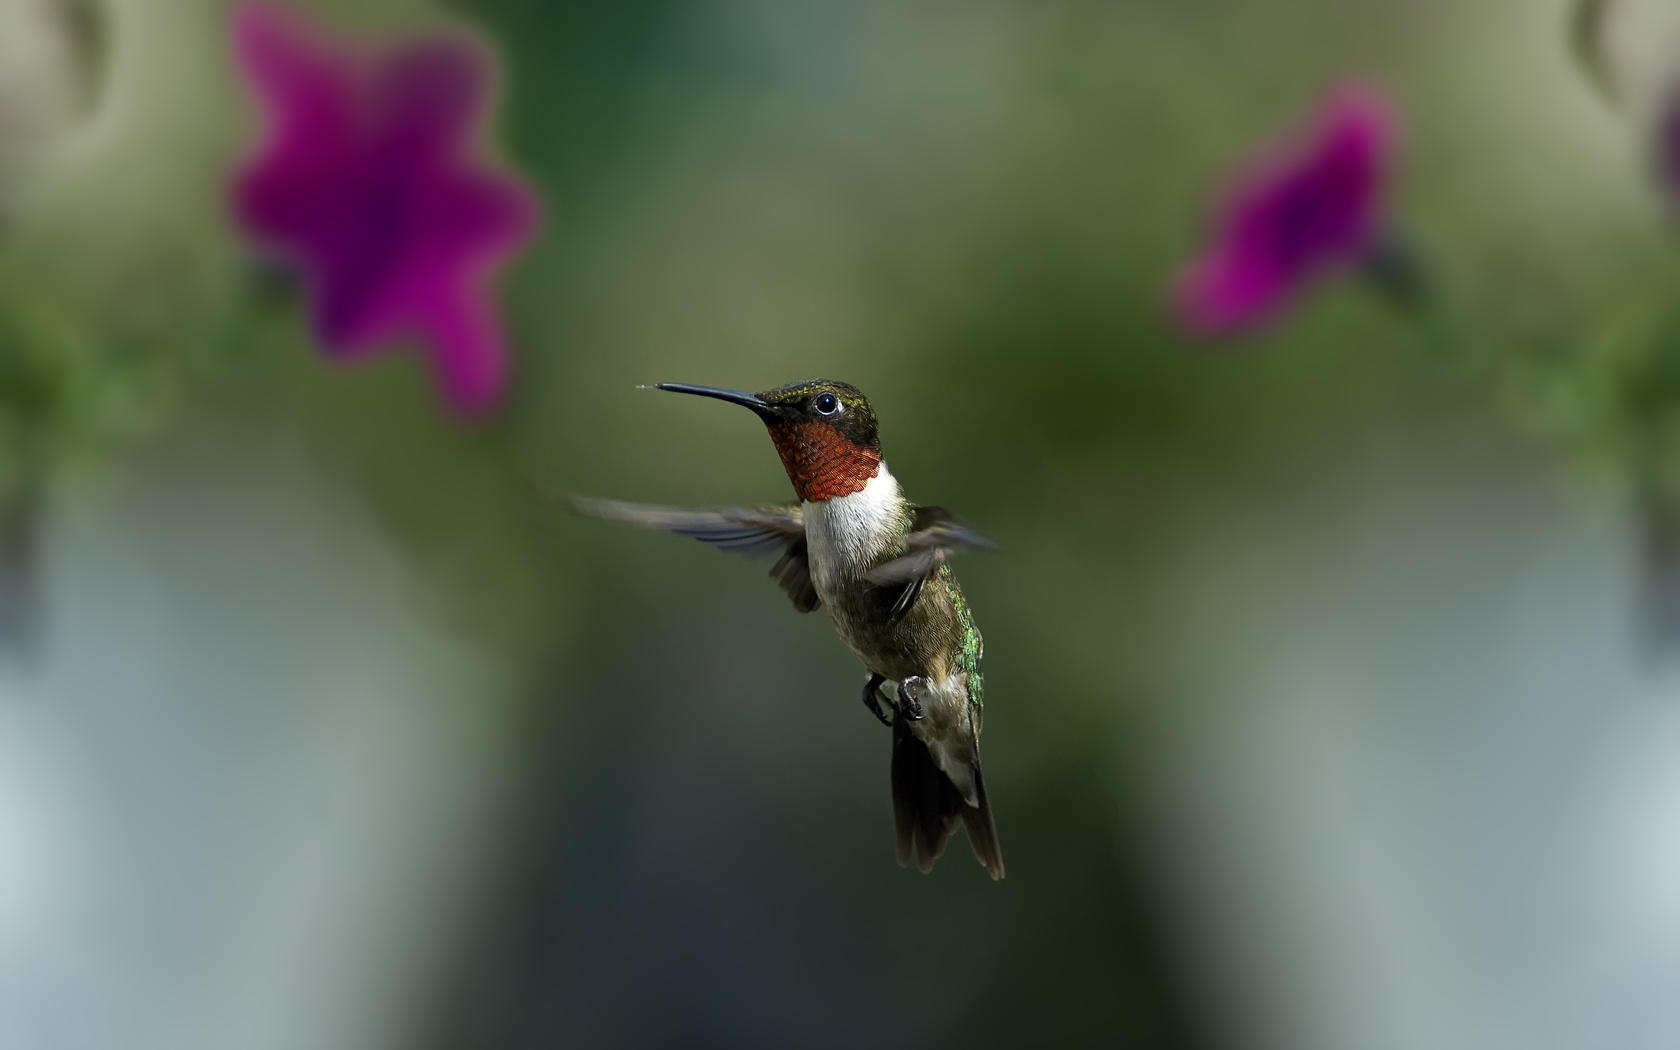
{"x":19,"y":571}
{"x":1402,"y":278}
{"x":1587,"y":21}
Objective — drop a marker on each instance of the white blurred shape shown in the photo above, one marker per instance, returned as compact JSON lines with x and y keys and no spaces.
{"x":33,"y":825}
{"x":1431,"y":799}
{"x":281,"y":774}
{"x":45,"y":80}
{"x":1640,"y":43}
{"x":1639,"y":856}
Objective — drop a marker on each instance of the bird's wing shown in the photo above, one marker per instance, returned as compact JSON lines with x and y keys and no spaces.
{"x":742,"y":530}
{"x":933,"y":532}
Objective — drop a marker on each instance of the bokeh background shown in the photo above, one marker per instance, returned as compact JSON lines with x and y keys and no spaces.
{"x":1322,"y":711}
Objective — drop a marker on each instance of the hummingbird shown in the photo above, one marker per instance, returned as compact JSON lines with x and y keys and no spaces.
{"x":854,"y":545}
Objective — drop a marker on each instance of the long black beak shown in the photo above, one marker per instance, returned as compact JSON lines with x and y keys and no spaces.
{"x":734,"y":397}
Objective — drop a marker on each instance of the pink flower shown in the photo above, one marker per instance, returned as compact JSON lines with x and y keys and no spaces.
{"x":1302,"y":209}
{"x":372,"y":180}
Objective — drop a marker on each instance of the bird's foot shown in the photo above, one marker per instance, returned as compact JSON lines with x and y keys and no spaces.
{"x":909,"y":700}
{"x":871,"y":698}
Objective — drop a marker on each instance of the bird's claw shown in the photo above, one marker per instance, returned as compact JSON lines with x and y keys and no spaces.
{"x":871,"y":698}
{"x":909,"y":705}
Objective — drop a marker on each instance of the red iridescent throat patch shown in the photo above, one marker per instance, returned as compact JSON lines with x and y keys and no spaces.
{"x":821,"y":462}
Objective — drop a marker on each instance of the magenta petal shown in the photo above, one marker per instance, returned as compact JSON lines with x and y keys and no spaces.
{"x":1301,"y":210}
{"x":474,"y":370}
{"x":372,"y":182}
{"x":1668,"y":145}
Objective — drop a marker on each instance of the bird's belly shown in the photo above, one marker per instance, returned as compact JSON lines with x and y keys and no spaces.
{"x":892,"y":649}
{"x":870,"y":635}
{"x":947,"y":728}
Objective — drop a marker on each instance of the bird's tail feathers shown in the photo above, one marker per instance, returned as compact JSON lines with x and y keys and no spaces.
{"x":927,"y":807}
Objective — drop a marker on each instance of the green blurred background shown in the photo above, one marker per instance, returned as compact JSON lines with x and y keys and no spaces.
{"x":1318,"y":713}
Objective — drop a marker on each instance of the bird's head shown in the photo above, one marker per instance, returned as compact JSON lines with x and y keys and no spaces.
{"x":824,"y":430}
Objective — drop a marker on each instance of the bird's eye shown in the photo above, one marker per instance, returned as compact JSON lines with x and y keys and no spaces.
{"x":826,"y":404}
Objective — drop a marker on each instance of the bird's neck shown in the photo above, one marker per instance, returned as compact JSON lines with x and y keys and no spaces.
{"x":847,"y":534}
{"x":823,"y":463}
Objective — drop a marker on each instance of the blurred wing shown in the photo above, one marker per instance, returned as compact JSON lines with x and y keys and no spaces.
{"x":740,"y":530}
{"x":933,"y":532}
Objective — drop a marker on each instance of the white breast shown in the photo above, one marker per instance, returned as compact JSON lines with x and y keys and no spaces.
{"x":844,"y":534}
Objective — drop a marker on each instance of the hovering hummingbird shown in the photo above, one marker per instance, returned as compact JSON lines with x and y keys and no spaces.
{"x":876,"y":561}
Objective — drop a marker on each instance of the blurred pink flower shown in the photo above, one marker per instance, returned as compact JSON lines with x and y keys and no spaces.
{"x":372,"y":180}
{"x":1668,"y":145}
{"x":1301,"y":209}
